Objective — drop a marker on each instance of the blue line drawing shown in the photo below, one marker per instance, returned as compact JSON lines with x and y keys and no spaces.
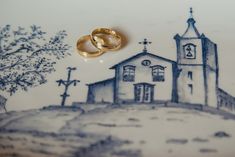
{"x":137,"y":80}
{"x":167,"y":87}
{"x":66,"y":84}
{"x":27,"y":57}
{"x":3,"y":101}
{"x":143,"y":78}
{"x":201,"y":61}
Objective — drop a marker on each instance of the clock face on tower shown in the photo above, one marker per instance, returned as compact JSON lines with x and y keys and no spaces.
{"x":189,"y":51}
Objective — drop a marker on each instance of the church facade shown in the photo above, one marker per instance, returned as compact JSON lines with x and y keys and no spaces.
{"x":148,"y":78}
{"x":143,"y":78}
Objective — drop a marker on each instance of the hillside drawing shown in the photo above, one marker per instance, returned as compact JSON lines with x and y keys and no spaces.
{"x":152,"y":106}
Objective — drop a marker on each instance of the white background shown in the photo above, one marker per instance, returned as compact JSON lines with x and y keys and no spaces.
{"x":157,"y":20}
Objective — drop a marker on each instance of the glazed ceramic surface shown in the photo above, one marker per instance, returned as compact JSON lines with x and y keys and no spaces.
{"x":168,"y":91}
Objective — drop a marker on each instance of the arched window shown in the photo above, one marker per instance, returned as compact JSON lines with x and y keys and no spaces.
{"x":129,"y":73}
{"x":158,"y":73}
{"x":189,"y":51}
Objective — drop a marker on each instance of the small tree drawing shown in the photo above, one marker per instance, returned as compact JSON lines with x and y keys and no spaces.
{"x":27,"y":57}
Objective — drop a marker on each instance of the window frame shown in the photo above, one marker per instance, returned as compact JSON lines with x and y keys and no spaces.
{"x":128,"y":74}
{"x":158,"y":73}
{"x":190,"y":86}
{"x":194,"y":50}
{"x":190,"y":75}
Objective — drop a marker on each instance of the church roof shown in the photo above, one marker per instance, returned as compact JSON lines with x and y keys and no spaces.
{"x":191,"y":31}
{"x":140,"y":55}
{"x":101,"y":82}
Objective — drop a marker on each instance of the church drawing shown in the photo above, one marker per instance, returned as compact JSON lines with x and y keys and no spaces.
{"x":149,"y":78}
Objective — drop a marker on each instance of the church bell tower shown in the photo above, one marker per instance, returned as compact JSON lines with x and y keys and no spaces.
{"x":197,"y":60}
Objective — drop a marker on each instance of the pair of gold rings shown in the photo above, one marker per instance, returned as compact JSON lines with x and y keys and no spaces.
{"x":103,"y":39}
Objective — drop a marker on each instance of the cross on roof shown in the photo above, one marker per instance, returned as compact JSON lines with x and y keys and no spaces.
{"x":191,"y":12}
{"x":145,"y":43}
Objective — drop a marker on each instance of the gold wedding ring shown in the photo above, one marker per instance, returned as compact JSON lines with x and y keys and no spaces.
{"x":80,"y":44}
{"x":100,"y":42}
{"x":103,"y":39}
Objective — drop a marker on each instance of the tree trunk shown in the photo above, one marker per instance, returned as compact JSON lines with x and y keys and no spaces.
{"x":5,"y":108}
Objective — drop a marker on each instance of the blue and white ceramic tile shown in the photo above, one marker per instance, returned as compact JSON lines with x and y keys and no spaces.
{"x":169,"y":91}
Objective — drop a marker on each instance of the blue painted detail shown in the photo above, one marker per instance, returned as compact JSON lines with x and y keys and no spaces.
{"x":191,"y":64}
{"x":145,"y":43}
{"x":191,"y":47}
{"x":158,"y":73}
{"x":146,"y":62}
{"x":144,"y":92}
{"x":66,"y":83}
{"x":128,"y":74}
{"x":3,"y":101}
{"x":127,"y":81}
{"x":91,"y":97}
{"x":191,"y":32}
{"x":116,"y":87}
{"x":210,"y":61}
{"x":101,"y":82}
{"x":190,"y":88}
{"x":190,"y":75}
{"x":189,"y":51}
{"x":194,"y":75}
{"x":225,"y":100}
{"x":27,"y":57}
{"x":175,"y":74}
{"x":140,"y":55}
